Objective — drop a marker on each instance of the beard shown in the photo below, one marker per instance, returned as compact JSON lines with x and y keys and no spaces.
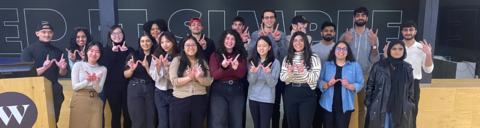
{"x":327,"y":38}
{"x":411,"y":37}
{"x":360,"y":24}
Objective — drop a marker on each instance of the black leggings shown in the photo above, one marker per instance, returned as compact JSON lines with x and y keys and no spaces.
{"x":261,"y":113}
{"x":336,"y":119}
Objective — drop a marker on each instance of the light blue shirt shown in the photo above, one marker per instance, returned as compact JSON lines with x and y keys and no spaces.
{"x":354,"y":75}
{"x":70,"y":63}
{"x":262,"y":84}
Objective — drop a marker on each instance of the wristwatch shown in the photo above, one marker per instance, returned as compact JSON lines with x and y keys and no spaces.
{"x":374,"y":47}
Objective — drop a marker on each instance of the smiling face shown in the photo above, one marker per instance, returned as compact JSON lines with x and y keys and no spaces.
{"x":360,"y":19}
{"x":268,"y":19}
{"x":190,"y":48}
{"x":341,"y":51}
{"x":196,"y":27}
{"x":117,"y":35}
{"x":263,"y":47}
{"x":229,"y":42}
{"x":298,"y":43}
{"x":145,"y":43}
{"x":81,"y":38}
{"x":93,"y":53}
{"x":155,"y":30}
{"x":238,"y":26}
{"x":409,"y":33}
{"x":166,"y":44}
{"x":397,"y":51}
{"x":45,"y":35}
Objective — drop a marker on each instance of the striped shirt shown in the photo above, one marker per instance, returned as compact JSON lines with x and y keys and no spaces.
{"x":308,"y":76}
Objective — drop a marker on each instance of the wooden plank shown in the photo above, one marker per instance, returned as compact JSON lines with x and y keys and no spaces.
{"x":444,"y":119}
{"x":467,"y":100}
{"x":432,"y":99}
{"x":456,"y":82}
{"x":476,"y":119}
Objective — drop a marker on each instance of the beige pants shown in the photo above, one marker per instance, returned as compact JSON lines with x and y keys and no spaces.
{"x":86,"y":109}
{"x":362,"y":110}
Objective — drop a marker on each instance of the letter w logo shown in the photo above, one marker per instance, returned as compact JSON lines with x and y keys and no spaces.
{"x":14,"y":112}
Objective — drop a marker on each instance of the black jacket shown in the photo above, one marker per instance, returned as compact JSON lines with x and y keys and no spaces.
{"x":377,"y":95}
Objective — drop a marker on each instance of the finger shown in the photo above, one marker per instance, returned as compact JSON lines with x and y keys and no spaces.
{"x":246,"y":30}
{"x":48,"y":56}
{"x":224,"y":58}
{"x":203,"y":38}
{"x":84,"y":48}
{"x":276,"y":29}
{"x":346,"y":31}
{"x":113,"y":44}
{"x":376,"y":32}
{"x":87,"y":73}
{"x":251,"y":62}
{"x":165,"y":56}
{"x":141,"y":62}
{"x":123,"y":43}
{"x":237,"y":57}
{"x":75,"y":52}
{"x":188,"y":68}
{"x":344,"y":77}
{"x":132,"y":58}
{"x":301,"y":64}
{"x":333,"y":77}
{"x":261,"y":25}
{"x":145,"y":58}
{"x":68,"y":51}
{"x":188,"y":34}
{"x":155,"y":58}
{"x":99,"y":74}
{"x":269,"y":64}
{"x":61,"y":58}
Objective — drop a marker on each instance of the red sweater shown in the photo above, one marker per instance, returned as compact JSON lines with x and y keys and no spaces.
{"x":219,"y":73}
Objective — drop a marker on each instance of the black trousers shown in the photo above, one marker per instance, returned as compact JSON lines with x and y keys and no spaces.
{"x":141,"y":104}
{"x":279,"y":91}
{"x":300,"y":104}
{"x":116,"y":94}
{"x":416,"y":96}
{"x":261,"y":113}
{"x":245,"y":90}
{"x":58,"y":98}
{"x":336,"y":119}
{"x":188,"y":112}
{"x":317,"y":119}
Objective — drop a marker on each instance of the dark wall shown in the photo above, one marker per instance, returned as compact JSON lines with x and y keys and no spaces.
{"x":22,"y":16}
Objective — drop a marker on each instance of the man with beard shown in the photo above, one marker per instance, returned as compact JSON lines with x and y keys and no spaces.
{"x":419,"y":55}
{"x":299,"y":23}
{"x":363,"y":43}
{"x":196,"y":27}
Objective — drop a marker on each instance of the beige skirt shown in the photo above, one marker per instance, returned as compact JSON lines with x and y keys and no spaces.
{"x":86,"y":109}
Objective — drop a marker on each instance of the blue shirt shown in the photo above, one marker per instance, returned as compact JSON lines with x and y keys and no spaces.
{"x":354,"y":75}
{"x":262,"y":84}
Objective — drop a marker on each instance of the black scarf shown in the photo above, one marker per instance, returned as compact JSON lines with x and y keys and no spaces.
{"x":398,"y":77}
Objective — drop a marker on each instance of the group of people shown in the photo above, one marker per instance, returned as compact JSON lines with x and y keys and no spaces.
{"x":192,"y":83}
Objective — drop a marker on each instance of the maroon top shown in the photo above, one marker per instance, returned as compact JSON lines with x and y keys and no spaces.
{"x":220,"y":73}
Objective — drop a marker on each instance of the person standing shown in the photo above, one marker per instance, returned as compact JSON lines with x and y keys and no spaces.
{"x":299,"y":23}
{"x":49,"y":62}
{"x":78,"y":41}
{"x":196,"y":27}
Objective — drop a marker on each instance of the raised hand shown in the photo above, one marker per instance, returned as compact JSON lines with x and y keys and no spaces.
{"x":235,"y":62}
{"x":346,"y":84}
{"x":123,"y":48}
{"x":156,"y":62}
{"x":253,"y":69}
{"x":89,"y":77}
{"x":267,"y":69}
{"x":300,"y":68}
{"x":82,"y":53}
{"x":61,"y":64}
{"x":96,"y":78}
{"x":385,"y":52}
{"x":71,"y":55}
{"x":190,"y":72}
{"x":198,"y":71}
{"x":225,"y":61}
{"x":427,"y":48}
{"x":348,"y":36}
{"x":47,"y":63}
{"x":115,"y":48}
{"x":373,"y":37}
{"x":132,"y":65}
{"x":164,"y":61}
{"x":144,"y":63}
{"x":262,"y":32}
{"x":290,"y":68}
{"x":202,"y":42}
{"x":244,"y":35}
{"x":332,"y":81}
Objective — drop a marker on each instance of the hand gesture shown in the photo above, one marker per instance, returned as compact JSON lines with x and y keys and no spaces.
{"x":373,"y":37}
{"x":115,"y":48}
{"x":82,"y":53}
{"x":276,"y":34}
{"x":89,"y":77}
{"x":267,"y":69}
{"x":262,"y":32}
{"x":427,"y":48}
{"x":157,"y":61}
{"x":347,"y":85}
{"x":190,"y":72}
{"x":244,"y":35}
{"x":96,"y":78}
{"x":225,"y":61}
{"x":235,"y":62}
{"x":47,"y":63}
{"x":198,"y":71}
{"x":123,"y":48}
{"x":131,"y":64}
{"x":144,"y":63}
{"x":253,"y":69}
{"x":71,"y":55}
{"x":332,"y":81}
{"x":385,"y":52}
{"x":61,"y":64}
{"x":165,"y":61}
{"x":290,"y":68}
{"x":300,"y":68}
{"x":202,"y":42}
{"x":348,"y":36}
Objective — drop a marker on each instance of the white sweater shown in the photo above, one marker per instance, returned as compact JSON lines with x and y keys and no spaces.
{"x":160,"y":76}
{"x":79,"y":76}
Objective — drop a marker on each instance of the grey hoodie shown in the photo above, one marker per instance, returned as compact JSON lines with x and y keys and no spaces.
{"x":361,"y":48}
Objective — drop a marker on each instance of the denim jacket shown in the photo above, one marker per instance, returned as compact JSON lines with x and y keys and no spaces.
{"x":353,"y":72}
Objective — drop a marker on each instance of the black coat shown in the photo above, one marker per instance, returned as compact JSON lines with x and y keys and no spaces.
{"x":377,"y":96}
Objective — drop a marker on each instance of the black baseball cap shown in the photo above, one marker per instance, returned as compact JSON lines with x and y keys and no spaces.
{"x":299,"y":18}
{"x":44,"y":23}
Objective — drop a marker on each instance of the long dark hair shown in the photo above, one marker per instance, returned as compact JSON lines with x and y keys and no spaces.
{"x":331,"y":55}
{"x":184,"y":62}
{"x":238,"y":48}
{"x":73,"y":41}
{"x":139,"y":50}
{"x":100,"y":60}
{"x":112,"y":28}
{"x":307,"y":52}
{"x":171,"y":37}
{"x":255,"y":57}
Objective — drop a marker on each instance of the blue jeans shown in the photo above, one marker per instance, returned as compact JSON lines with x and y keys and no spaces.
{"x":226,"y":105}
{"x":388,"y":121}
{"x":163,"y":102}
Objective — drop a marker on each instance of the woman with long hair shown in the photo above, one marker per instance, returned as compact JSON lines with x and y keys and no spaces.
{"x":161,"y":59}
{"x":76,"y":51}
{"x":141,"y":87}
{"x":340,"y":79}
{"x":88,"y":78}
{"x":115,"y":89}
{"x":389,"y":94}
{"x":300,"y":71}
{"x":190,"y":76}
{"x":263,"y":74}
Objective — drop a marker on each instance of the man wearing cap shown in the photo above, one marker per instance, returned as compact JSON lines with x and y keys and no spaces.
{"x":299,"y":23}
{"x":196,"y":27}
{"x":49,"y":61}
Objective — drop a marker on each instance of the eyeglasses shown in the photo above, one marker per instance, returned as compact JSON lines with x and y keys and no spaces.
{"x":117,"y":34}
{"x":338,"y":49}
{"x":191,"y":45}
{"x":270,"y":17}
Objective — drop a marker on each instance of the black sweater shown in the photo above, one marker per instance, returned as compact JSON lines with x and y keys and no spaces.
{"x":115,"y":63}
{"x":37,"y":52}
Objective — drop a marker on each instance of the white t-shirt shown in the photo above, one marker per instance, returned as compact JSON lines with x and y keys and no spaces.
{"x":416,"y":57}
